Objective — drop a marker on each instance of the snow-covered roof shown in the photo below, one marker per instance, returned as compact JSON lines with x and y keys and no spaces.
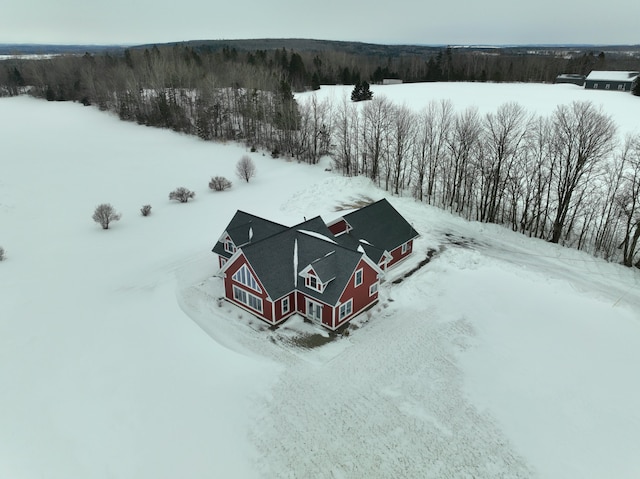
{"x":612,"y":75}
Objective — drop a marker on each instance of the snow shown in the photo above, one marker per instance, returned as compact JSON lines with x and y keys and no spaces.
{"x":612,"y":75}
{"x":487,"y":97}
{"x":317,"y":235}
{"x":501,"y":357}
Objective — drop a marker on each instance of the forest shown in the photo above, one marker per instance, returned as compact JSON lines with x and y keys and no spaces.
{"x":566,"y":178}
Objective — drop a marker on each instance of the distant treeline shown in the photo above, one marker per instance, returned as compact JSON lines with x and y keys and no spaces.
{"x":567,"y":178}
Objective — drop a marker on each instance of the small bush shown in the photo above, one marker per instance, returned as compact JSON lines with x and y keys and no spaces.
{"x":105,"y":214}
{"x":2,"y":253}
{"x":181,"y":194}
{"x":145,"y":210}
{"x":219,"y":183}
{"x":275,"y":153}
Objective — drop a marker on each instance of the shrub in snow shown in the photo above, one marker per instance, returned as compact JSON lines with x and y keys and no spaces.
{"x":104,"y":214}
{"x":1,"y":253}
{"x":145,"y":210}
{"x":245,"y":168}
{"x":219,"y":183}
{"x":181,"y":194}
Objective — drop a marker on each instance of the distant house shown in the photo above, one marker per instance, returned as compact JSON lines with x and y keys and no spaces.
{"x":611,"y":80}
{"x":274,"y":271}
{"x":571,"y":78}
{"x":391,"y":81}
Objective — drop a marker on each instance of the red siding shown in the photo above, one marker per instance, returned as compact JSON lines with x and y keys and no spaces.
{"x":339,"y":227}
{"x":228,"y":289}
{"x":359,"y":294}
{"x":279,"y":316}
{"x":397,"y":254}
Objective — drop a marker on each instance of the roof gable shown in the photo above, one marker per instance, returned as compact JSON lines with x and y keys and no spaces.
{"x":377,"y":227}
{"x":245,"y":228}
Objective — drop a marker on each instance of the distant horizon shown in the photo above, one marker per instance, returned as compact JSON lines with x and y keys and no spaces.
{"x":452,"y":44}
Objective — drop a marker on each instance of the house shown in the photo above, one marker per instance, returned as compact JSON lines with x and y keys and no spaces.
{"x":611,"y":80}
{"x":571,"y":78}
{"x":274,"y":271}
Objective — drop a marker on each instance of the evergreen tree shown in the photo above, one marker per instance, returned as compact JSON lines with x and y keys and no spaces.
{"x":361,"y":92}
{"x":635,"y":89}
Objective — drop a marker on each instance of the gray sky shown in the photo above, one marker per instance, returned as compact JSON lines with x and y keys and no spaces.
{"x":394,"y":21}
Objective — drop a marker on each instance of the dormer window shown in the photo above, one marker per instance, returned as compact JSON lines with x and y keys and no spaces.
{"x":229,"y":247}
{"x":312,"y":282}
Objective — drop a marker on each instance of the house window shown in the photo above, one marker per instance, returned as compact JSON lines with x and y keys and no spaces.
{"x":346,"y":309}
{"x":620,"y":87}
{"x":285,"y":305}
{"x":244,"y":276}
{"x":358,"y":278}
{"x":607,"y":86}
{"x":247,"y":299}
{"x":229,"y":247}
{"x":313,"y":283}
{"x":373,"y":289}
{"x":405,"y":248}
{"x":595,"y":86}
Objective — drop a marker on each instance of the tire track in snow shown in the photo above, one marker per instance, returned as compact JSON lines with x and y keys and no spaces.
{"x":391,"y":405}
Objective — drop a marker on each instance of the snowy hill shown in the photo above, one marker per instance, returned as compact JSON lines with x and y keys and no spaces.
{"x":501,"y":357}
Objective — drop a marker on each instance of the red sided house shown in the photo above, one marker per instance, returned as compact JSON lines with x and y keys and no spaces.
{"x":274,"y":271}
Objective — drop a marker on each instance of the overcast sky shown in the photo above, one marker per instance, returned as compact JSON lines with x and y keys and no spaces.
{"x":394,"y":21}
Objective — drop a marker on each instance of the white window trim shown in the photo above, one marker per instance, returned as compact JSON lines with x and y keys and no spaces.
{"x":318,"y":287}
{"x":229,"y":247}
{"x":342,"y":310}
{"x":373,"y":289}
{"x":405,"y":248}
{"x":245,"y":297}
{"x":359,"y":272}
{"x":252,"y":283}
{"x":284,"y":301}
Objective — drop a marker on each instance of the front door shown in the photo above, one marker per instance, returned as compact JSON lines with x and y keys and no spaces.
{"x":314,"y":310}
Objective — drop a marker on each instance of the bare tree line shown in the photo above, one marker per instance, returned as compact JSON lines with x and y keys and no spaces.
{"x":564,"y":178}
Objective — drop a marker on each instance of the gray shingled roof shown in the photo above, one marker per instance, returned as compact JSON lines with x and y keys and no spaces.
{"x":380,"y":225}
{"x":273,"y":259}
{"x":240,"y":226}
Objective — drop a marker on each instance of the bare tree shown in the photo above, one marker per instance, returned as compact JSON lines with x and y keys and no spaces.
{"x":505,"y":131}
{"x":2,"y":253}
{"x":376,"y":126}
{"x":433,"y":127}
{"x":181,"y":194}
{"x":628,"y":201}
{"x":105,"y":214}
{"x":584,"y":137}
{"x":245,"y":168}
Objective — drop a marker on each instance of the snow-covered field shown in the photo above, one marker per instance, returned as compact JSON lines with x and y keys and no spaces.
{"x":502,"y":357}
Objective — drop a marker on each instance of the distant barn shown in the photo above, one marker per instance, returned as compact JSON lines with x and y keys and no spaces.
{"x":571,"y":78}
{"x":611,"y":80}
